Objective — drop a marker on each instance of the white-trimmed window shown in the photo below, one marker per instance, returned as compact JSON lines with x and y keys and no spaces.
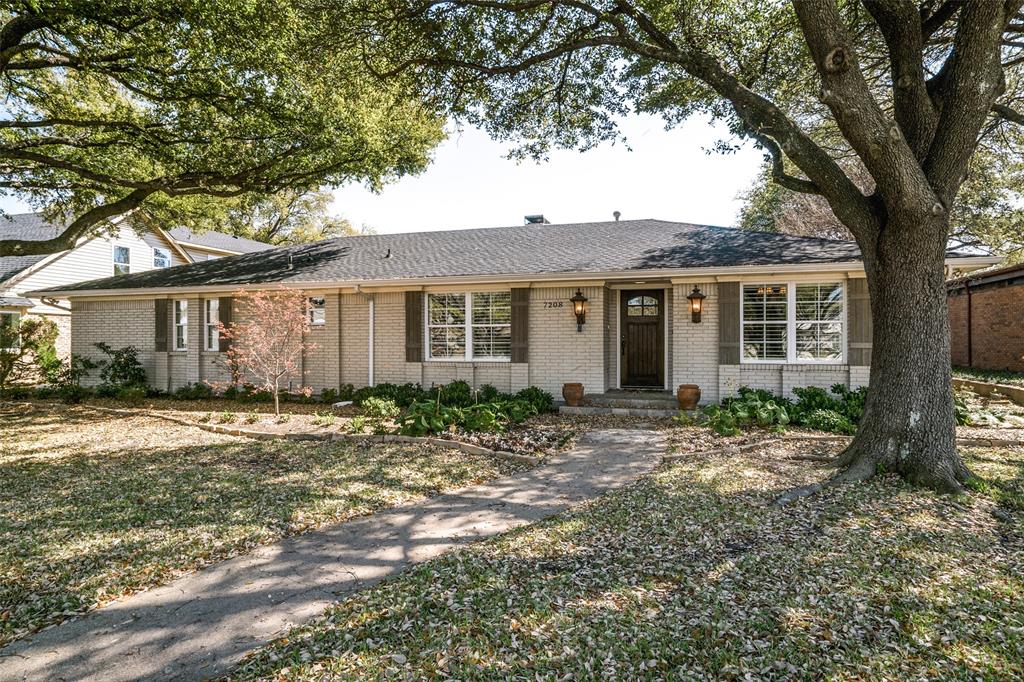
{"x":470,"y":326}
{"x":793,"y":322}
{"x":161,"y":257}
{"x":9,"y":322}
{"x":180,"y":325}
{"x":317,"y":311}
{"x":211,"y":324}
{"x":122,"y":260}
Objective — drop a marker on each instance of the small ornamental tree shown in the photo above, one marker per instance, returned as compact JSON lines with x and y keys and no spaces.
{"x":21,"y":345}
{"x":269,"y":342}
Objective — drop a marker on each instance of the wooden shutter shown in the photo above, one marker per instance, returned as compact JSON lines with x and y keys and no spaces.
{"x":414,"y":326}
{"x":224,"y":310}
{"x":859,"y":316}
{"x":160,"y":325}
{"x":728,"y":323}
{"x":520,"y":325}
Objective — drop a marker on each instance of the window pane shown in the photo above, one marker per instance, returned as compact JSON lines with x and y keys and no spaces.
{"x":447,"y":309}
{"x":317,"y":310}
{"x":161,"y":257}
{"x":492,"y":325}
{"x":819,"y":341}
{"x":764,"y":302}
{"x":448,"y":342}
{"x":819,"y":302}
{"x":492,"y":342}
{"x":764,"y":341}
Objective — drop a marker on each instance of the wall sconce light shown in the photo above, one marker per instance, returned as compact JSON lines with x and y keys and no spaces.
{"x":696,"y":303}
{"x":579,"y":308}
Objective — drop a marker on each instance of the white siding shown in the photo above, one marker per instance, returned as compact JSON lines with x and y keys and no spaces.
{"x":92,"y":260}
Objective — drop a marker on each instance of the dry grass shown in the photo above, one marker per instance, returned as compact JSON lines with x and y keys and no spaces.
{"x":688,"y":574}
{"x":95,"y":506}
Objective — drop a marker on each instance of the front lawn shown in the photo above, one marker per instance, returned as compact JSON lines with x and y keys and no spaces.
{"x":94,"y":506}
{"x":687,"y":574}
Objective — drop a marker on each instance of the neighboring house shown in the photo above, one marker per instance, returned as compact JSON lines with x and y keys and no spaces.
{"x":986,"y":319}
{"x":497,"y":306}
{"x":126,"y":253}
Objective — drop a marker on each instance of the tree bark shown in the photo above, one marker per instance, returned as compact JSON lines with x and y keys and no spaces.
{"x":908,"y":425}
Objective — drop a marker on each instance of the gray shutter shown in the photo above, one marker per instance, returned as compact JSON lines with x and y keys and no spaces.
{"x":859,"y":316}
{"x":224,"y":310}
{"x":160,"y":320}
{"x":520,"y":325}
{"x":728,"y":323}
{"x":414,"y":326}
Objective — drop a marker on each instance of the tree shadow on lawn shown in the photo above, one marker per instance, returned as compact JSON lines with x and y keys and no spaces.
{"x":689,"y":573}
{"x":92,"y":526}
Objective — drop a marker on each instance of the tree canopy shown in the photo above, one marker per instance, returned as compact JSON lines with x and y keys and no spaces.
{"x":287,"y":217}
{"x":905,"y":89}
{"x":111,"y":107}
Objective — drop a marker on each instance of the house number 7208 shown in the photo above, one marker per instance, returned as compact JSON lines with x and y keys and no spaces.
{"x":554,"y":304}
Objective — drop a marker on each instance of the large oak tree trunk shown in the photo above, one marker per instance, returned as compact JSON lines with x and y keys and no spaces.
{"x":909,"y":425}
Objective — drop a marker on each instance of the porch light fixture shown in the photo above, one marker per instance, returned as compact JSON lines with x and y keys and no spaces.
{"x":579,"y":309}
{"x":696,"y":303}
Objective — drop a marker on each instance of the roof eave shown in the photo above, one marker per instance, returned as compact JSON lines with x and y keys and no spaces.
{"x":462,"y":280}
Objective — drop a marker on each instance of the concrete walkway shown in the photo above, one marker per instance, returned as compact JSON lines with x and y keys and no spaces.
{"x":200,"y":625}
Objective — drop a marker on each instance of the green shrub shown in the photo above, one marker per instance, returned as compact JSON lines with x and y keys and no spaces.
{"x":750,"y":407}
{"x":227,"y":418}
{"x":378,"y":408}
{"x":457,"y":394}
{"x":830,"y":421}
{"x":323,"y":419}
{"x":489,"y":394}
{"x":251,"y":418}
{"x":541,"y":400}
{"x":206,"y":418}
{"x":122,"y":368}
{"x":357,"y":424}
{"x":196,"y":391}
{"x":131,"y":394}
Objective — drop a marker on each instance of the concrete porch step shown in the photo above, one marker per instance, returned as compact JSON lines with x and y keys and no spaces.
{"x":619,"y":411}
{"x":649,"y":400}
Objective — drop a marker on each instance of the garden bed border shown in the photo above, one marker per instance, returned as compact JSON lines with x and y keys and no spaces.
{"x":468,"y":448}
{"x":1014,"y":394}
{"x":736,"y":449}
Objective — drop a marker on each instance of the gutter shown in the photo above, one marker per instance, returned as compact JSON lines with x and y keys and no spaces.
{"x":719,"y":273}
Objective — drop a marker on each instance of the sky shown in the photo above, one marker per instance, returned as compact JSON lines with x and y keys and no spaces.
{"x":663,"y":174}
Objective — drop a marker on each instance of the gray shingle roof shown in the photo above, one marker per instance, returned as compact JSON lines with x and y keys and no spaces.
{"x":23,"y":226}
{"x":219,"y":240}
{"x":629,"y":245}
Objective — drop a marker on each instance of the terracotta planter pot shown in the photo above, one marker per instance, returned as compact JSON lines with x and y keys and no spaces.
{"x":573,"y":394}
{"x":688,"y":396}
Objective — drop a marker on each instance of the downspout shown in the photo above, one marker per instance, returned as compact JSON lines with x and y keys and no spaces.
{"x":371,"y":324}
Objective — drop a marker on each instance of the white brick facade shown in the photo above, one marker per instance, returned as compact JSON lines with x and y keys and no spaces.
{"x":557,"y":352}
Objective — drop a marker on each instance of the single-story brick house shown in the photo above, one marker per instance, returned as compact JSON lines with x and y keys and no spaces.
{"x":494,"y":306}
{"x":986,"y":319}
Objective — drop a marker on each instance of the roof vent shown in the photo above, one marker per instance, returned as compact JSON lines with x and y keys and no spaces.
{"x":537,"y":219}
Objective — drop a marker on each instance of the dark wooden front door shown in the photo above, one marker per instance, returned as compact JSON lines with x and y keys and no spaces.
{"x":642,"y":319}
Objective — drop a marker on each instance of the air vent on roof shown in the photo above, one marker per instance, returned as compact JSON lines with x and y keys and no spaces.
{"x":538,"y":219}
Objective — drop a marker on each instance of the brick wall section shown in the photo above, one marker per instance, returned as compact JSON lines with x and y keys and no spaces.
{"x":321,"y":363}
{"x":611,"y":337}
{"x":119,"y":323}
{"x":958,"y":330}
{"x":997,"y":326}
{"x":354,"y":338}
{"x":558,"y":353}
{"x":695,"y":345}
